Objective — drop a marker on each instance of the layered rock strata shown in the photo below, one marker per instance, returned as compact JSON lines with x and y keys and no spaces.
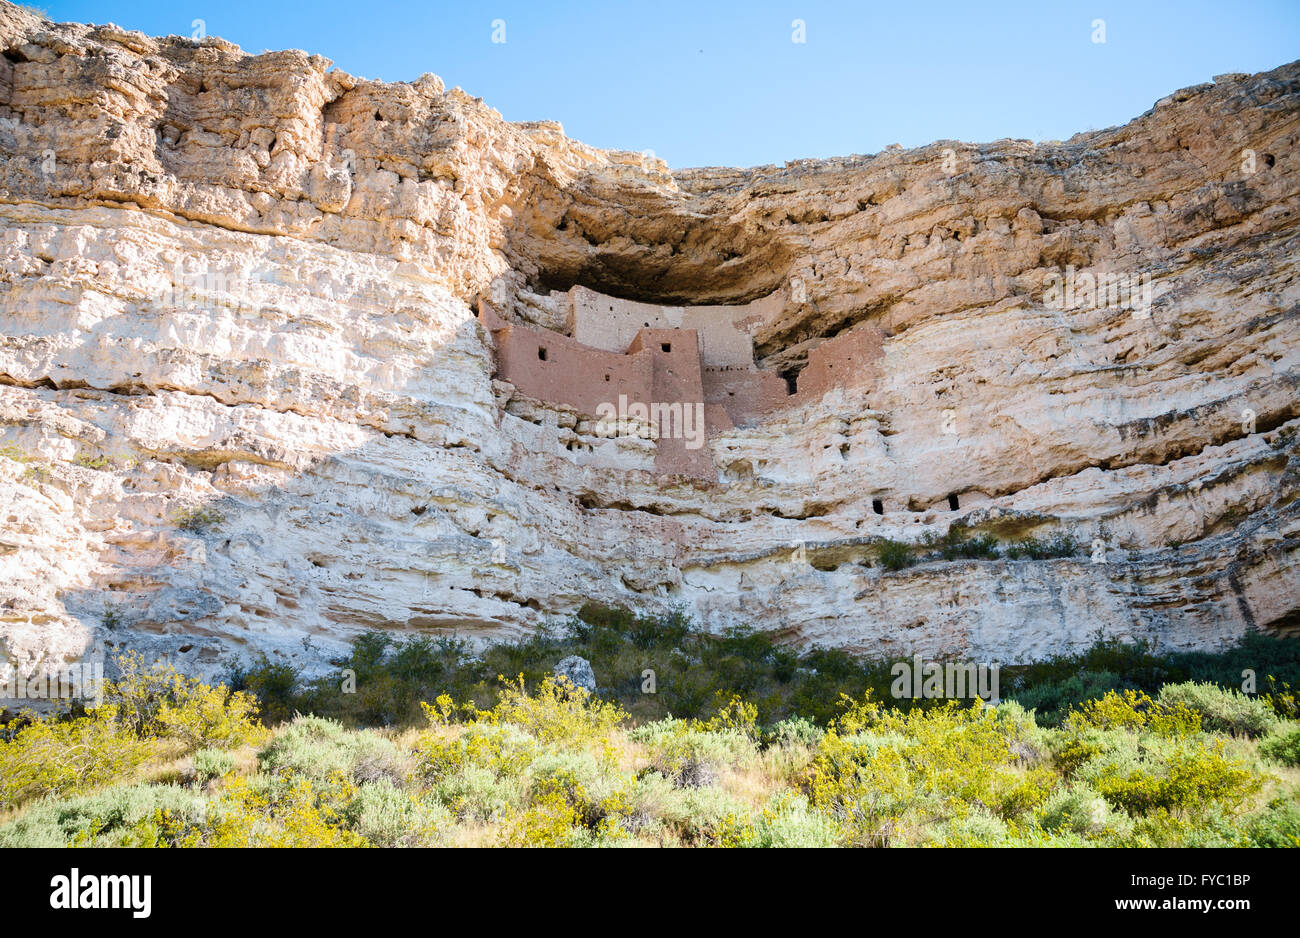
{"x":246,"y":403}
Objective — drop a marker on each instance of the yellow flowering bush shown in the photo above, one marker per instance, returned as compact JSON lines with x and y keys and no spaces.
{"x":881,"y":771}
{"x":556,"y":711}
{"x":556,"y":767}
{"x":54,"y":757}
{"x":159,"y":701}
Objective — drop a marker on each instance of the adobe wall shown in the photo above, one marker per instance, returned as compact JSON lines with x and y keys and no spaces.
{"x":851,"y":359}
{"x":571,"y":374}
{"x":678,"y":380}
{"x":745,"y":395}
{"x":660,"y":367}
{"x":609,"y":323}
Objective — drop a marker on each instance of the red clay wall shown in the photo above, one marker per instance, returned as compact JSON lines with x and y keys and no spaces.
{"x":851,"y":359}
{"x":583,"y":378}
{"x":745,"y":395}
{"x":572,"y":373}
{"x":677,"y":380}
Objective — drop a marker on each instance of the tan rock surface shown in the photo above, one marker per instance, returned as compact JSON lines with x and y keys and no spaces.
{"x":244,"y":285}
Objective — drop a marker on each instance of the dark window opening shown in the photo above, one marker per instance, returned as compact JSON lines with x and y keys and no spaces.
{"x":952,"y":502}
{"x":667,"y":346}
{"x":791,"y":381}
{"x":606,"y":377}
{"x":877,"y":506}
{"x":541,"y":353}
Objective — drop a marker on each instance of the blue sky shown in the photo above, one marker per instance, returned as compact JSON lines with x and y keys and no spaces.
{"x":722,"y":83}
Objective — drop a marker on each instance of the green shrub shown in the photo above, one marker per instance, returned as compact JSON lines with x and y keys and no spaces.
{"x":894,"y":555}
{"x":478,"y":793}
{"x":976,"y":828}
{"x":197,"y":520}
{"x":1059,"y":544}
{"x":1052,"y":700}
{"x":274,"y":684}
{"x":207,"y":764}
{"x":714,"y":818}
{"x":697,"y":671}
{"x":653,"y":804}
{"x":386,"y":816}
{"x":1079,"y":809}
{"x":957,"y":544}
{"x":691,"y":756}
{"x":793,"y":731}
{"x":787,"y":820}
{"x":1278,"y":825}
{"x":109,"y":818}
{"x":317,"y":749}
{"x":1283,"y":745}
{"x":1222,"y":711}
{"x":310,"y":746}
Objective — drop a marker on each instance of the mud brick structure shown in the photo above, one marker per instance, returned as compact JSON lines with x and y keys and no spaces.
{"x":670,"y":355}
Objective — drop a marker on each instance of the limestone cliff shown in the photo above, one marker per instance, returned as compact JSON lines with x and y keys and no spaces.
{"x":245,"y":402}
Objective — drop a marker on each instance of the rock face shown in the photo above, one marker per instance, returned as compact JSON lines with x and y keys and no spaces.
{"x":246,"y":403}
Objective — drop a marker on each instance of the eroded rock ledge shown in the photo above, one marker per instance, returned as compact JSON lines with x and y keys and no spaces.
{"x":245,"y":402}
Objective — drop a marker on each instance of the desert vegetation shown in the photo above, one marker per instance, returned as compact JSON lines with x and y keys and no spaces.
{"x":762,"y":746}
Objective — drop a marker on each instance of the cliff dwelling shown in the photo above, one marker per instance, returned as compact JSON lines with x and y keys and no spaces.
{"x":687,"y":358}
